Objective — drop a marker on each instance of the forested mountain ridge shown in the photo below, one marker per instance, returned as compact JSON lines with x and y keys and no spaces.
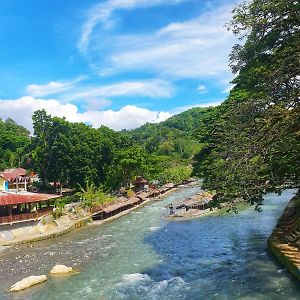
{"x":190,"y":120}
{"x":180,"y":134}
{"x":185,"y":122}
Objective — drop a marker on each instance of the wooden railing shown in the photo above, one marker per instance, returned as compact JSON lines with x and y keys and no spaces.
{"x":24,"y":217}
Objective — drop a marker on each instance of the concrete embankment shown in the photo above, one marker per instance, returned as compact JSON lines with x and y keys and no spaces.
{"x":25,"y":235}
{"x":284,"y":243}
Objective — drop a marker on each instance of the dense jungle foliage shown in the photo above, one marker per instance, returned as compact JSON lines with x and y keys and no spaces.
{"x":14,"y":140}
{"x":254,"y":145}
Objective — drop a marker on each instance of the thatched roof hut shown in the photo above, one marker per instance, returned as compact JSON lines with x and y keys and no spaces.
{"x":198,"y":201}
{"x":140,"y":182}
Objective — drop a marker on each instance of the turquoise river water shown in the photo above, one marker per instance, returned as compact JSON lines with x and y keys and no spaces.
{"x":144,"y":256}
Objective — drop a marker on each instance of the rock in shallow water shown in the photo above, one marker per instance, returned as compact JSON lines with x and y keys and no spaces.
{"x":61,"y":269}
{"x":27,"y":282}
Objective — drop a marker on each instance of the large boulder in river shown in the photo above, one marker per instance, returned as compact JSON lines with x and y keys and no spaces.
{"x":61,"y":269}
{"x":27,"y":282}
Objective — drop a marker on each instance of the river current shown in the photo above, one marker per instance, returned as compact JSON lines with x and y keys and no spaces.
{"x":145,"y":256}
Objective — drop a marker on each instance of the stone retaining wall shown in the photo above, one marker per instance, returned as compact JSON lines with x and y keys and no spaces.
{"x":48,"y":235}
{"x":284,"y":243}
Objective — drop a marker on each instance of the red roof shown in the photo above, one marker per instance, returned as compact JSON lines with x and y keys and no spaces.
{"x":12,"y":174}
{"x":14,"y":198}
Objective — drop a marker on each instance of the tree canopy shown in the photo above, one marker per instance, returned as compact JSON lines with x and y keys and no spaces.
{"x":14,"y":140}
{"x":256,"y":144}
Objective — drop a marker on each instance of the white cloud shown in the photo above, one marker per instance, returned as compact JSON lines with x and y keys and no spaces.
{"x":46,"y":89}
{"x":202,"y":89}
{"x":21,"y":109}
{"x":194,"y":49}
{"x":208,"y":103}
{"x":96,"y":104}
{"x":103,"y":12}
{"x":95,"y":96}
{"x":128,"y":117}
{"x":228,"y":89}
{"x":147,"y":88}
{"x":52,"y":87}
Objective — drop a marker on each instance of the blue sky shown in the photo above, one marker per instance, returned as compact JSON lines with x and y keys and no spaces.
{"x":120,"y":63}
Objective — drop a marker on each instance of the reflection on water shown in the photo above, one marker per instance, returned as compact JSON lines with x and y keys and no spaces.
{"x":144,"y":256}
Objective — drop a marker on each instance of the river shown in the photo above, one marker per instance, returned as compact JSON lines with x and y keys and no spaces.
{"x":144,"y":256}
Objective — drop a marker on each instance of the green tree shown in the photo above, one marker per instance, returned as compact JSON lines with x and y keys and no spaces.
{"x":254,"y":144}
{"x":14,"y":140}
{"x":128,"y":163}
{"x":91,"y":195}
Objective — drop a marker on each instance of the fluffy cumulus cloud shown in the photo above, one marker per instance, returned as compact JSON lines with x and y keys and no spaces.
{"x":128,"y":117}
{"x":21,"y":109}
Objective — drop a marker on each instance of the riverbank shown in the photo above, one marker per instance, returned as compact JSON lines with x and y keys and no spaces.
{"x":125,"y":212}
{"x":284,"y":242}
{"x":67,"y":223}
{"x":38,"y":233}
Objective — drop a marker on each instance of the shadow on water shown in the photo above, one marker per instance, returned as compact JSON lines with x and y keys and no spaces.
{"x":215,"y":257}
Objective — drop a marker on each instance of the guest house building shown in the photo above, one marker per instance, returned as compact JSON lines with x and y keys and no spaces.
{"x":16,"y":179}
{"x":24,"y":206}
{"x":18,"y":205}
